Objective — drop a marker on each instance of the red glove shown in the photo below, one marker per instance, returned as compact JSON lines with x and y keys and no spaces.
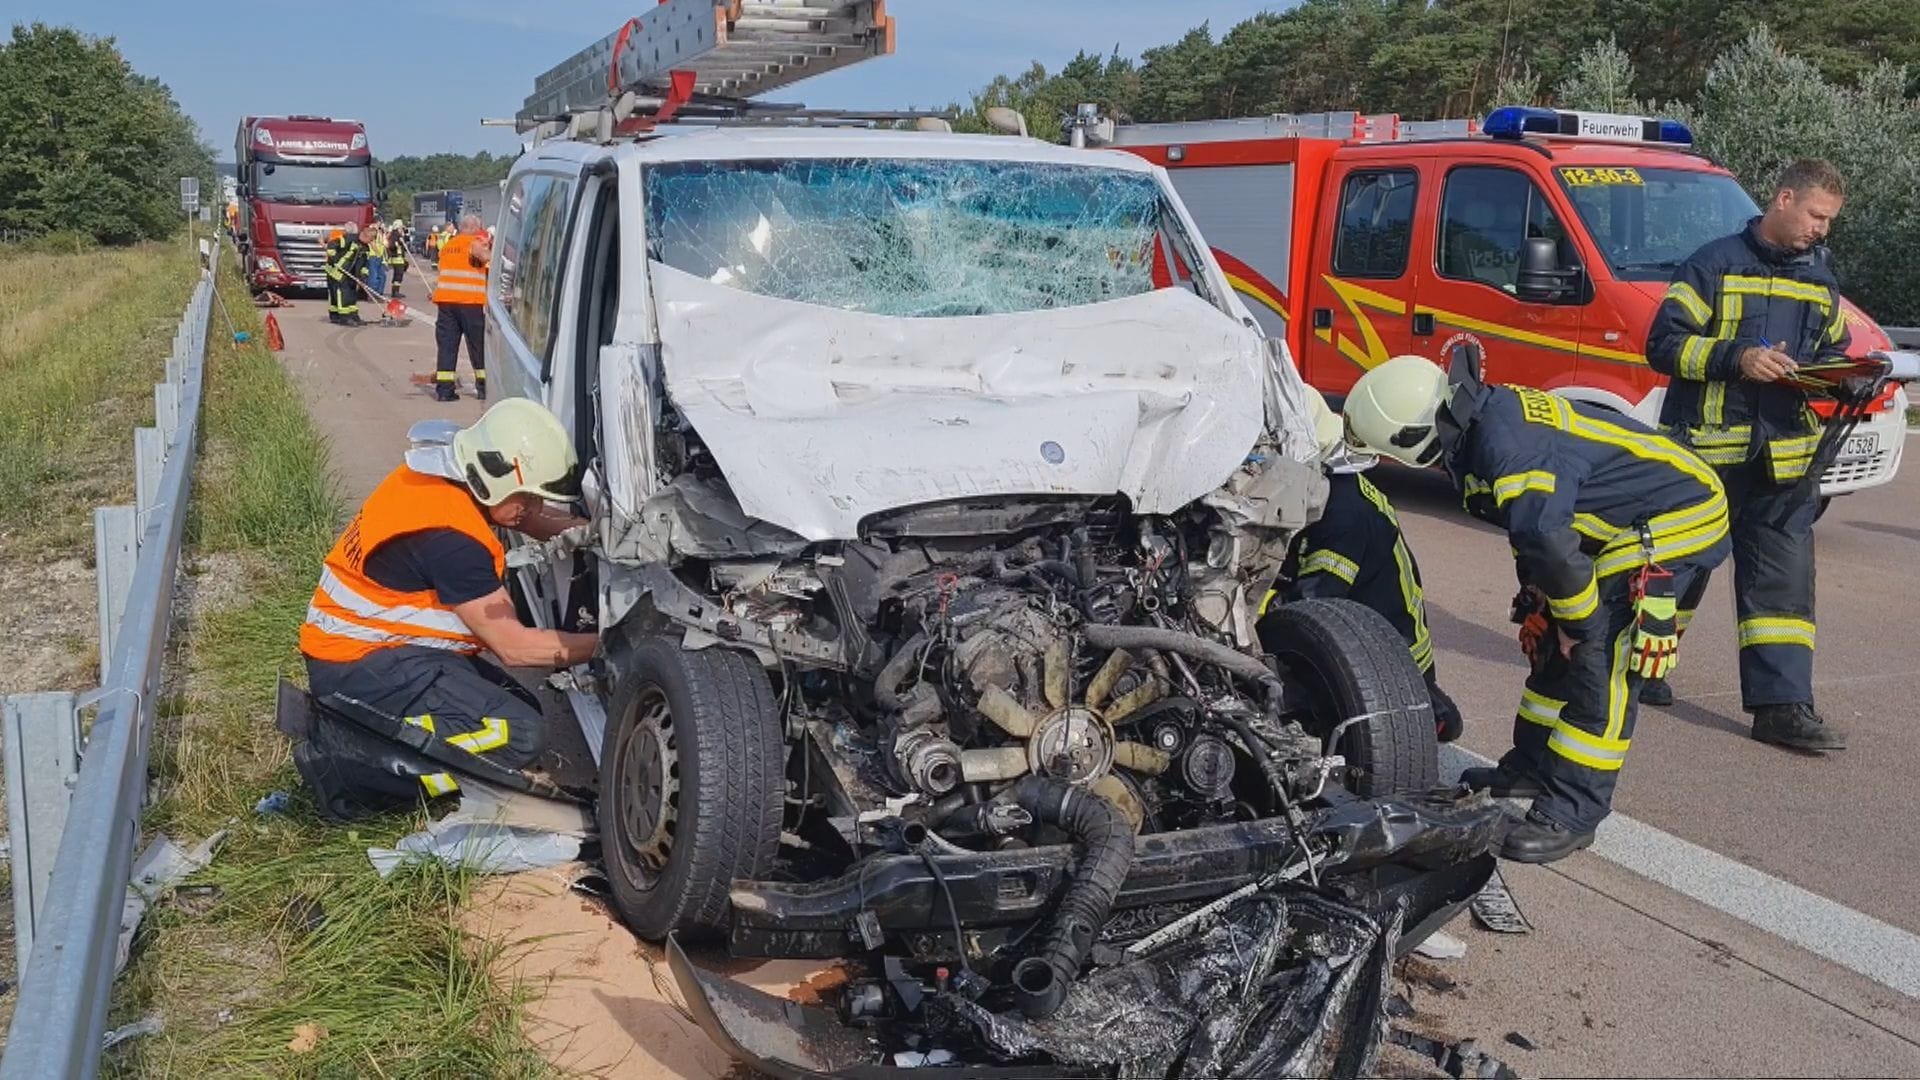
{"x":1533,"y":631}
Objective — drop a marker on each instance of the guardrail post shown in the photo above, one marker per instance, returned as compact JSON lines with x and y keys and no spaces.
{"x":116,"y":543}
{"x":166,"y":410}
{"x":42,"y":733}
{"x":149,"y":459}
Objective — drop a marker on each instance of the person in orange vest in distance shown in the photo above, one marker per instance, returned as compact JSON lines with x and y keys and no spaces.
{"x":413,"y":593}
{"x":461,"y":296}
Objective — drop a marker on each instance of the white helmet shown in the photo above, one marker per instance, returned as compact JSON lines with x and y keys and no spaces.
{"x":1392,"y":408}
{"x":517,"y":446}
{"x":1328,"y":431}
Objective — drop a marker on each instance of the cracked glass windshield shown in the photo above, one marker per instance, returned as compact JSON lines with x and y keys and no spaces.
{"x":916,"y":238}
{"x":1647,"y":221}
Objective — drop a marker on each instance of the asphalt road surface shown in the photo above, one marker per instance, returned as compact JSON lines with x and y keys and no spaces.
{"x":1748,"y":912}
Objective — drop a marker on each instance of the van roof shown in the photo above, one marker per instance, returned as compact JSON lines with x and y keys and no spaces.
{"x":746,"y":144}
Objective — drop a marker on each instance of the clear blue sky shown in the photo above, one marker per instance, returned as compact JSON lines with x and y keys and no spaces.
{"x":369,"y":61}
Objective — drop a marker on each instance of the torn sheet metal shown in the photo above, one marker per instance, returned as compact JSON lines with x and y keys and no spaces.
{"x":820,"y":417}
{"x":161,"y":866}
{"x":494,"y":831}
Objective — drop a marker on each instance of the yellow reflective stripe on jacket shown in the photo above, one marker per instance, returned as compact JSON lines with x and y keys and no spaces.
{"x":439,"y":784}
{"x":1580,"y":605}
{"x":492,"y":735}
{"x":1508,"y":488}
{"x":1694,"y":355}
{"x":1785,"y":288}
{"x":1713,"y":403}
{"x":1330,"y":562}
{"x":1836,"y":326}
{"x":1689,"y":299}
{"x":1675,"y":535}
{"x":1776,"y":630}
{"x":1411,"y":594}
{"x":1645,"y":446}
{"x":1536,"y":708}
{"x":1722,"y":446}
{"x":1607,"y":751}
{"x":424,"y":721}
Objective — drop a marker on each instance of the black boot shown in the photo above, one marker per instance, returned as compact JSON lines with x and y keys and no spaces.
{"x":1796,"y":726}
{"x":1657,"y":693}
{"x":1540,"y":839}
{"x":480,"y":389}
{"x":1501,"y":783}
{"x":444,"y":391}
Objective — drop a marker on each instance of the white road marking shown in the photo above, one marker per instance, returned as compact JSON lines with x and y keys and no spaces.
{"x":1859,"y":942}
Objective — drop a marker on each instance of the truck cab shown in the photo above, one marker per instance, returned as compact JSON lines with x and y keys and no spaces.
{"x":1552,"y":251}
{"x":300,"y":178}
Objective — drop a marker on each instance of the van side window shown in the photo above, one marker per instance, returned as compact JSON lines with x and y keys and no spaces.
{"x":532,"y":235}
{"x":1376,"y":224}
{"x":1486,"y":215}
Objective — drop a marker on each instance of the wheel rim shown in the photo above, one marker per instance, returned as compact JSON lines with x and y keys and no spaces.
{"x":647,"y":774}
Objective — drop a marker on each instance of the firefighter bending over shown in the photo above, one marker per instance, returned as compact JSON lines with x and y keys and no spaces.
{"x":414,"y":591}
{"x":1357,"y":552}
{"x":1740,"y":314}
{"x":1608,"y":521}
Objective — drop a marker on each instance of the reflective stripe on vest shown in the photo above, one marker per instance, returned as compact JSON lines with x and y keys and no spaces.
{"x":352,"y":615}
{"x":460,"y":281}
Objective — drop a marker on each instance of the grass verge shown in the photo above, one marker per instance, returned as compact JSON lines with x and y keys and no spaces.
{"x":289,"y":931}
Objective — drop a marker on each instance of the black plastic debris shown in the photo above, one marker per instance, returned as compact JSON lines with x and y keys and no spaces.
{"x":1463,"y":1060}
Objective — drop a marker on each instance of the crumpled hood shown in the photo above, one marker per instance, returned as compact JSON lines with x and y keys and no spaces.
{"x":821,"y":417}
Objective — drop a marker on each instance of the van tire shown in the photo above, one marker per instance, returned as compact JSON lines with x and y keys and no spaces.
{"x":692,"y":782}
{"x":1351,"y":662}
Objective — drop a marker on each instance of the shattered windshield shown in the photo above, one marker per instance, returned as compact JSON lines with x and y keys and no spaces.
{"x":916,"y":238}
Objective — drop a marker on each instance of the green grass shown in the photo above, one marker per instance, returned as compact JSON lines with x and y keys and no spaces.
{"x":294,"y":928}
{"x":83,"y":338}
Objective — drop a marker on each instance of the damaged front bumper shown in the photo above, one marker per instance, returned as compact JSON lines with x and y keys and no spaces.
{"x":1391,"y":871}
{"x":1425,"y":847}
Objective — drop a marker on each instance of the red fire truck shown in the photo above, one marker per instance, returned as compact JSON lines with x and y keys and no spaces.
{"x":301,"y":177}
{"x":1547,"y":236}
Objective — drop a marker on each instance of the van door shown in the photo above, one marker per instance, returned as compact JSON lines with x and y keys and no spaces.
{"x":529,"y":261}
{"x":1361,"y":288}
{"x":1487,"y":214}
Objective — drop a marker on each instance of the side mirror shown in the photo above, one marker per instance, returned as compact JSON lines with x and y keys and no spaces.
{"x":379,"y":178}
{"x":1542,"y":280}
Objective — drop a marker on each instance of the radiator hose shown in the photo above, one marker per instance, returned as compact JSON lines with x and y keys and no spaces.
{"x":1040,"y":981}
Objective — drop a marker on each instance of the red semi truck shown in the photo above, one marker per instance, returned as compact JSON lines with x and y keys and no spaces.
{"x":301,"y":177}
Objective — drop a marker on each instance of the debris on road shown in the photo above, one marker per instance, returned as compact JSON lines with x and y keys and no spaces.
{"x":272,"y":803}
{"x":1463,"y":1060}
{"x":493,"y":832}
{"x":306,"y":1038}
{"x":1441,"y":945}
{"x":1494,"y":908}
{"x":148,"y":1025}
{"x":161,"y":866}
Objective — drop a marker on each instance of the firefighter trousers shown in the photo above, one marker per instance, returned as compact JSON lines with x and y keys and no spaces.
{"x":463,"y":700}
{"x":1576,"y":715}
{"x":1772,"y":526}
{"x":343,"y":299}
{"x":455,"y":322}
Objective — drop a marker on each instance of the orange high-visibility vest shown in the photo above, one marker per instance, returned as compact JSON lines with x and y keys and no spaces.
{"x":460,"y":282}
{"x":352,"y":615}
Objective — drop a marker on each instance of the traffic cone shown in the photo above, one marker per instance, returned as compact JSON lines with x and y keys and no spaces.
{"x":274,"y":340}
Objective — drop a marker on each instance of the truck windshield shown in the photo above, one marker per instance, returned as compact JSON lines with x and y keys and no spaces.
{"x":916,"y":238}
{"x":285,"y":182}
{"x":1646,"y":221}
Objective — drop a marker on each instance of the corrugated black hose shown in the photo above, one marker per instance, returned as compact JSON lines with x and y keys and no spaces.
{"x":1040,"y":981}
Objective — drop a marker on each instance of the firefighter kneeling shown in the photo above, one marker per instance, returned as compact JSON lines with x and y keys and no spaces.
{"x":1607,"y":519}
{"x":414,"y":591}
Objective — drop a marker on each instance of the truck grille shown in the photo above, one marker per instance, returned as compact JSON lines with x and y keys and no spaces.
{"x":302,"y":256}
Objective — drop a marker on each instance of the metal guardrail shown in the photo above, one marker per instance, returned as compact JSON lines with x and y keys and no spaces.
{"x":1905,"y":337}
{"x":72,"y":920}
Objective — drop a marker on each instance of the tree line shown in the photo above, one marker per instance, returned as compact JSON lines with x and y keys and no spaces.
{"x":91,"y":150}
{"x":1761,"y":82}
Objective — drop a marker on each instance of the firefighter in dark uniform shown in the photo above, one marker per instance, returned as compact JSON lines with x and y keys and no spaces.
{"x":1355,"y":551}
{"x":1608,"y":521}
{"x":396,"y":256}
{"x":1740,"y":314}
{"x":346,"y":261}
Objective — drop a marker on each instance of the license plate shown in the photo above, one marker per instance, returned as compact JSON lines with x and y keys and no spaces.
{"x":1860,"y":446}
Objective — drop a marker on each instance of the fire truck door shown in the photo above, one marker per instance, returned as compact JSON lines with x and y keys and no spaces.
{"x":1360,"y":291}
{"x":1529,"y":329}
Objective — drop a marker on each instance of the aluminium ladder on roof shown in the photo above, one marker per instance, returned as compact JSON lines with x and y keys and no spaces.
{"x":733,"y":48}
{"x":1358,"y":127}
